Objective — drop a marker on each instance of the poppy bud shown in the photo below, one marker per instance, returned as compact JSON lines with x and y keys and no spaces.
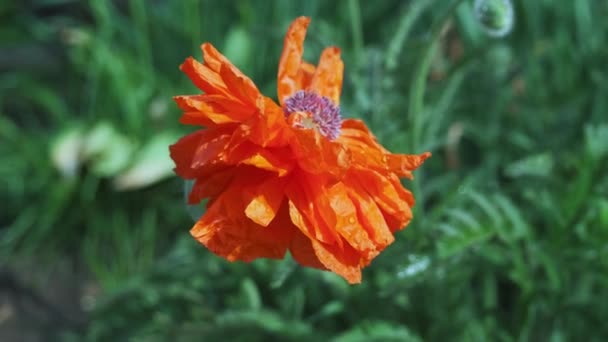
{"x":495,"y":16}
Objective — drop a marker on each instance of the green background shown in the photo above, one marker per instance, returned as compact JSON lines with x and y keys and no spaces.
{"x":509,"y":239}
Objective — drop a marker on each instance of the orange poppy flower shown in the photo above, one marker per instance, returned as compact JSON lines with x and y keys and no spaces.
{"x":294,"y":176}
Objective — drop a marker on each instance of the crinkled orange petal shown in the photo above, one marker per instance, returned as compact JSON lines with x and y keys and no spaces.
{"x":264,"y":200}
{"x":299,"y":220}
{"x":243,"y":90}
{"x":305,"y":74}
{"x":226,"y":231}
{"x":339,"y":213}
{"x":211,"y":186}
{"x":290,"y":65}
{"x":224,"y":85}
{"x":362,"y":155}
{"x":199,"y":153}
{"x":390,"y":196}
{"x":403,"y":164}
{"x":277,"y":160}
{"x":263,"y":159}
{"x":196,"y":119}
{"x":214,"y":108}
{"x":182,"y":153}
{"x":302,"y":251}
{"x":370,"y":217}
{"x":406,"y":196}
{"x":346,"y":263}
{"x":305,"y":218}
{"x":303,"y":191}
{"x":238,"y":83}
{"x":281,"y":229}
{"x":366,"y":151}
{"x":327,"y":79}
{"x":316,"y":154}
{"x":211,"y":149}
{"x":203,"y":77}
{"x":355,"y":129}
{"x":268,"y":127}
{"x":361,"y":143}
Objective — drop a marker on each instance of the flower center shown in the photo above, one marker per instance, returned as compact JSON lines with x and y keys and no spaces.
{"x":306,"y":109}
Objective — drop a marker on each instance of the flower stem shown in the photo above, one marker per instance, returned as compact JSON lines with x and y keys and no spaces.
{"x":356,"y":28}
{"x":418,"y":88}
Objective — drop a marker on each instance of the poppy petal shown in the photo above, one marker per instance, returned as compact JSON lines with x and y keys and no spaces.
{"x":211,"y":148}
{"x":370,"y":217}
{"x":214,"y":108}
{"x":238,"y":83}
{"x":305,"y":74}
{"x":302,"y":194}
{"x":327,"y":80}
{"x":403,"y":164}
{"x":264,"y":200}
{"x":226,"y":231}
{"x":346,"y":263}
{"x":290,"y":65}
{"x":362,"y":144}
{"x":268,"y":127}
{"x":406,"y":197}
{"x":390,"y":196}
{"x":211,"y":186}
{"x":276,"y":160}
{"x":303,"y":253}
{"x":204,"y":77}
{"x":339,"y":212}
{"x":265,"y":160}
{"x":196,"y":119}
{"x":182,"y":153}
{"x":316,"y":154}
{"x":355,"y":132}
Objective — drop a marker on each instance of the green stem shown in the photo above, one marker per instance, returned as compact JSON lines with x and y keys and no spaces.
{"x":405,"y":25}
{"x":416,"y":98}
{"x":356,"y":28}
{"x":418,"y":88}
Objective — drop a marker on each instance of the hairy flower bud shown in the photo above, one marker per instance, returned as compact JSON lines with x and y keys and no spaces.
{"x":495,"y":16}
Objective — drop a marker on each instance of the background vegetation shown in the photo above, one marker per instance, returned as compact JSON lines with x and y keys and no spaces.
{"x":509,"y":241}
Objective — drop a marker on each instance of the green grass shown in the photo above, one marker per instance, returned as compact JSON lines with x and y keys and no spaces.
{"x":509,"y":237}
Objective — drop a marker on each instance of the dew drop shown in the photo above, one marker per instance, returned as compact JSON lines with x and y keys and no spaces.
{"x":496,"y":17}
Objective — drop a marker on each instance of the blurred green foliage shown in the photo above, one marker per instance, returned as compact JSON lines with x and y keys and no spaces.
{"x":510,"y":236}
